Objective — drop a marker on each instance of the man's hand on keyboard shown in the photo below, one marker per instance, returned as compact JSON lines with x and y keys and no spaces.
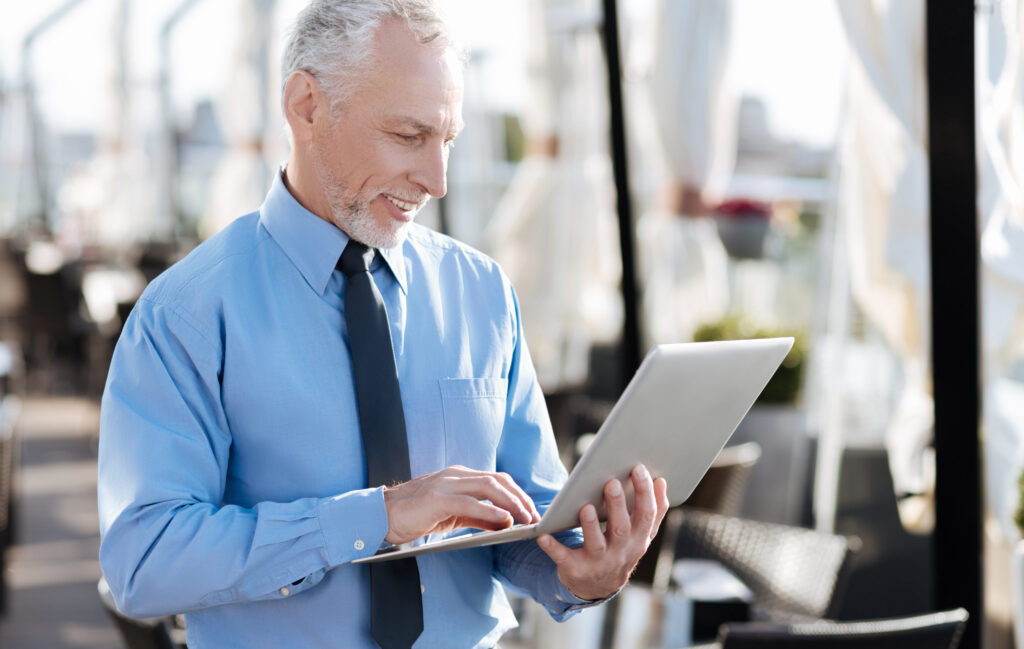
{"x":452,"y":498}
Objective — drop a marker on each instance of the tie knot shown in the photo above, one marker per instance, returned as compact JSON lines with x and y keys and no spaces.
{"x":356,"y":258}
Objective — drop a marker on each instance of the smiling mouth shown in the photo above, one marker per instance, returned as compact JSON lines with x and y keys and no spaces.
{"x":405,"y":206}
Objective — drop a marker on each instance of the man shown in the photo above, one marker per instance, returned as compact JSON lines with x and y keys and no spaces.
{"x":240,"y":448}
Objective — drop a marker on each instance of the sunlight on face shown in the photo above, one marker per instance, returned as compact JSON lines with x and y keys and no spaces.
{"x":382,"y":155}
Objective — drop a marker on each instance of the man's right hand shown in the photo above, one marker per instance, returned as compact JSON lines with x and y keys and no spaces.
{"x":454,"y":497}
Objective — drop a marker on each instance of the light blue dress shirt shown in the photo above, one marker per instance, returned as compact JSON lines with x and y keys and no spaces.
{"x":232,"y":481}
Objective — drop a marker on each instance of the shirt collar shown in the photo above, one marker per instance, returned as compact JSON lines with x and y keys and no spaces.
{"x":395,"y":260}
{"x":312,"y":244}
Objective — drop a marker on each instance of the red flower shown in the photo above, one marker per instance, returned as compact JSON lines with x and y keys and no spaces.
{"x":743,"y":208}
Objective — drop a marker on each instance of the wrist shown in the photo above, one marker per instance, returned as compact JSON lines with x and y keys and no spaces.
{"x":587,"y":593}
{"x":588,"y":598}
{"x":390,"y":536}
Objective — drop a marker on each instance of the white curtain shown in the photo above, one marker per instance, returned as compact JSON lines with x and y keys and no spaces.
{"x":111,"y":200}
{"x":554,"y":231}
{"x":242,"y":176}
{"x":883,"y":216}
{"x":692,"y":109}
{"x":1000,"y":102}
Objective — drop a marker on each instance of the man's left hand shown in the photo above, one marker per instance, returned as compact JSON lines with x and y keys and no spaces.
{"x":604,"y":563}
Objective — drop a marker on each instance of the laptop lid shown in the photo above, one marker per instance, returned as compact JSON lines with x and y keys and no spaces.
{"x":675,"y":416}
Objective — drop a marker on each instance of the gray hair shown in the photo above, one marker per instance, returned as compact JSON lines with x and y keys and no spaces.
{"x":333,"y":39}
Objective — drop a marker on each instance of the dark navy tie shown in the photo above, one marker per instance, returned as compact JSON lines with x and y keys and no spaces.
{"x":396,"y":606}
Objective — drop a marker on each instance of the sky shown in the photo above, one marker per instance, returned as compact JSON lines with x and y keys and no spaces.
{"x":789,"y":53}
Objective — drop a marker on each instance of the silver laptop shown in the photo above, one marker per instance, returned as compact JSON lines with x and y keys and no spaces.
{"x":675,"y":416}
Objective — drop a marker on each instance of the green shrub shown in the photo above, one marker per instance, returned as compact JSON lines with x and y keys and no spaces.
{"x":784,"y":386}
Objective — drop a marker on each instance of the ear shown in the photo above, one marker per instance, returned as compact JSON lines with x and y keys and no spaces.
{"x":302,"y":98}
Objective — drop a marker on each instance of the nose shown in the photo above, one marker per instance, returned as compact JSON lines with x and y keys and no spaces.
{"x":431,"y":171}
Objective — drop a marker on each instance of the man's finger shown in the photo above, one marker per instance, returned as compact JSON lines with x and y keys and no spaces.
{"x":517,"y":491}
{"x":487,"y":486}
{"x":558,"y":552}
{"x":499,"y":488}
{"x":618,"y":514}
{"x":593,"y":538}
{"x":477,"y":524}
{"x":468,"y":507}
{"x":645,"y":506}
{"x":661,"y":497}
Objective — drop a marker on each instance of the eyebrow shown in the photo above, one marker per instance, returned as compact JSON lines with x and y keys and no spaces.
{"x":421,"y":127}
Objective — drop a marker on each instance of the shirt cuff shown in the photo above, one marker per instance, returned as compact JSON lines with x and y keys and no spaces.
{"x":354,"y":524}
{"x":565,"y":604}
{"x":563,"y":594}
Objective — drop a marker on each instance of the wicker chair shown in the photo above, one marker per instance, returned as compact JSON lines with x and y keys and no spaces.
{"x":722,"y":488}
{"x":794,"y":573}
{"x":932,"y":631}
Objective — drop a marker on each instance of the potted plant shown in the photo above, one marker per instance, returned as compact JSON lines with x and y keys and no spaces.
{"x":784,"y":386}
{"x":745,"y":228}
{"x":778,"y":422}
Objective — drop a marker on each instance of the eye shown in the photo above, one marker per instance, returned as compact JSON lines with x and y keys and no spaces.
{"x":408,"y":139}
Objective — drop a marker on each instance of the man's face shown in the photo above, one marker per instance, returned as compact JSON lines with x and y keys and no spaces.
{"x":382,"y":155}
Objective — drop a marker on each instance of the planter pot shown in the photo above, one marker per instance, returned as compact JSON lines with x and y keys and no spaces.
{"x":745,"y":237}
{"x":778,"y":483}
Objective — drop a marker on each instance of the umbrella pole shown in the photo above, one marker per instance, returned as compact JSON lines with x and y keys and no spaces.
{"x":954,"y":293}
{"x":631,"y":346}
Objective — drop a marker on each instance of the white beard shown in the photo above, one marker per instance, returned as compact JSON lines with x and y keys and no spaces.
{"x":352,"y":213}
{"x":359,"y":223}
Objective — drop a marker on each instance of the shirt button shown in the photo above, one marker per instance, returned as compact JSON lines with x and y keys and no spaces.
{"x":359,"y":545}
{"x":423,"y":589}
{"x":559,"y":597}
{"x":284,"y":591}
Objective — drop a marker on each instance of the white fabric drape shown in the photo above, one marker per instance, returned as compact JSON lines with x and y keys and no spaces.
{"x":693,"y":107}
{"x":883,"y":215}
{"x":241,"y":178}
{"x":554,"y":230}
{"x":1000,"y":95}
{"x":111,"y":200}
{"x":694,"y":102}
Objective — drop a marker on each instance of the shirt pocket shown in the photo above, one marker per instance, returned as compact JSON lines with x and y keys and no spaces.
{"x":474,"y":415}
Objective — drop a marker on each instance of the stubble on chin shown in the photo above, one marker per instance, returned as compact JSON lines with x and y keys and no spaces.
{"x":352,"y":214}
{"x":359,"y":223}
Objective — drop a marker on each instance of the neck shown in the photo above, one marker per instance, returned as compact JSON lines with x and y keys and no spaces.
{"x":302,"y":183}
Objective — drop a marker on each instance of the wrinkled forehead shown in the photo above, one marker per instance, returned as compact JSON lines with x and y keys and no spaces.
{"x":396,"y":47}
{"x":421,"y":82}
